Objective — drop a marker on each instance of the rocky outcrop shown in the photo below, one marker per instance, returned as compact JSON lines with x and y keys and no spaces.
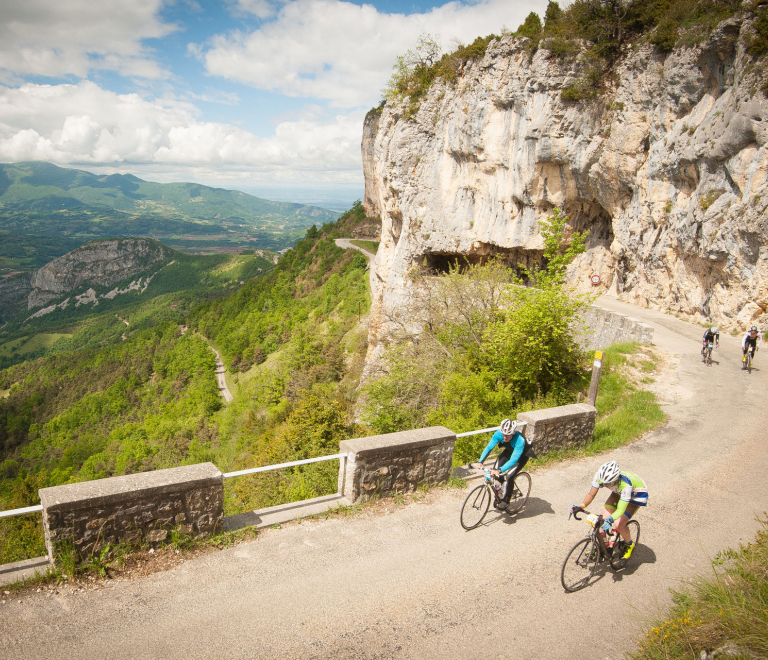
{"x":99,"y":263}
{"x":668,"y":171}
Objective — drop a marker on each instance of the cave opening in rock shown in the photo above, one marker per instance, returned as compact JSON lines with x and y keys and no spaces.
{"x":436,"y":263}
{"x":593,"y":218}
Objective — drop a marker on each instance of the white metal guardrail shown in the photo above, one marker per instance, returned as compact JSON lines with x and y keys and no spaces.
{"x":228,"y":475}
{"x":266,"y":468}
{"x":492,"y":428}
{"x":21,"y":512}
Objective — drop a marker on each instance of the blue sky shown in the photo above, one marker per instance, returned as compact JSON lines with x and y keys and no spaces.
{"x":266,"y":96}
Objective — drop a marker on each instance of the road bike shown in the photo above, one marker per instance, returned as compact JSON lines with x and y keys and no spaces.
{"x":581,"y":562}
{"x":480,"y":497}
{"x":708,"y":353}
{"x":746,"y":362}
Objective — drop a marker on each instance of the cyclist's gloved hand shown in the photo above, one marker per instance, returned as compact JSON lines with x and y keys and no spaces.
{"x":608,"y":524}
{"x":575,"y":509}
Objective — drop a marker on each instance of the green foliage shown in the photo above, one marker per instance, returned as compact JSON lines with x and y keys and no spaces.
{"x":531,"y":27}
{"x":726,"y":607}
{"x":185,"y":280}
{"x":414,"y":72}
{"x":371,"y":246}
{"x":533,"y":345}
{"x":759,"y":45}
{"x":488,"y":347}
{"x":151,"y":401}
{"x":552,"y":15}
{"x":27,"y":252}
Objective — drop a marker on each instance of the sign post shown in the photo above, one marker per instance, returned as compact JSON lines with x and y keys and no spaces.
{"x":597,"y":367}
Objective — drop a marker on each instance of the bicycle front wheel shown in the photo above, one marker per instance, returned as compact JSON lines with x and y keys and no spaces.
{"x":521,"y":489}
{"x":475,"y":507}
{"x":580,"y":564}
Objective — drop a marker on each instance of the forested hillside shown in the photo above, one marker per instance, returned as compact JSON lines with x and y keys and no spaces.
{"x":292,"y":339}
{"x":174,"y":287}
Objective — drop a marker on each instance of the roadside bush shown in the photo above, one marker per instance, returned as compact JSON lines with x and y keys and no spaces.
{"x":476,"y":344}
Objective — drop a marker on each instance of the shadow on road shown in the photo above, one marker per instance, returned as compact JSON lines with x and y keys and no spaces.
{"x":534,"y":507}
{"x":641,"y":556}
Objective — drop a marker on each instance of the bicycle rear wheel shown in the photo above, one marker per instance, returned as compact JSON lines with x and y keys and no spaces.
{"x":580,"y":564}
{"x":475,"y":506}
{"x":521,"y":489}
{"x":617,"y":560}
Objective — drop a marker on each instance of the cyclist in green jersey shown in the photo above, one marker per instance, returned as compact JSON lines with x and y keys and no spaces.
{"x":628,"y":493}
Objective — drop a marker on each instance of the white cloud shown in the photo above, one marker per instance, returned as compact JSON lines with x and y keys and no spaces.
{"x":344,"y":52}
{"x":73,"y":37}
{"x":84,"y":124}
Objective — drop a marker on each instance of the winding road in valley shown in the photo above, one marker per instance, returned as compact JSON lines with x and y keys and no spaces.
{"x":410,"y":583}
{"x":221,"y":378}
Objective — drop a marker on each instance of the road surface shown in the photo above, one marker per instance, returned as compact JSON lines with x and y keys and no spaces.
{"x":220,"y":370}
{"x":347,"y":244}
{"x":412,"y":584}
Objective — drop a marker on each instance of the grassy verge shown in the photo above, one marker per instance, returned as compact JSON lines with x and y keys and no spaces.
{"x":371,"y":246}
{"x":624,"y":409}
{"x":726,"y":611}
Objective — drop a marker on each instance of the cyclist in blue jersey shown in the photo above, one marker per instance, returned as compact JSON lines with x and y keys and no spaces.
{"x":515,"y":452}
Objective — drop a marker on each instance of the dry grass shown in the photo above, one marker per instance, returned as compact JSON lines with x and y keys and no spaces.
{"x":728,"y":608}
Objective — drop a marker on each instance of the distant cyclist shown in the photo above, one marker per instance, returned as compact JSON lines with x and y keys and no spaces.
{"x":750,"y":341}
{"x":515,"y":452}
{"x":628,"y":493}
{"x":711,"y":336}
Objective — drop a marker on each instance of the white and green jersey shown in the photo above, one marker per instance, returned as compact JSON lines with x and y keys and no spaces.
{"x":630,"y":488}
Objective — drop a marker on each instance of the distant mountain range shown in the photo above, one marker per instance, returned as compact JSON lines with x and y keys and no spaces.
{"x":42,"y":199}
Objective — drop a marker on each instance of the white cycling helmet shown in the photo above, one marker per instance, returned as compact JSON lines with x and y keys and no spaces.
{"x":608,"y":472}
{"x":714,"y":329}
{"x":753,"y":328}
{"x":507,"y":427}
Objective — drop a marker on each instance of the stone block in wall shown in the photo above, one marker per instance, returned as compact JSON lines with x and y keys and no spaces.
{"x":604,"y":328}
{"x":381,"y":464}
{"x":559,"y":428}
{"x":132,"y":509}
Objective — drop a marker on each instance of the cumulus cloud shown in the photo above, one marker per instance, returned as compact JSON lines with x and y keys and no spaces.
{"x":84,"y":124}
{"x":55,"y":38}
{"x":339,"y":51}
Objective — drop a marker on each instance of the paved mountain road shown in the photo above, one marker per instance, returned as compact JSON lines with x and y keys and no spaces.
{"x":347,"y":244}
{"x":412,"y":584}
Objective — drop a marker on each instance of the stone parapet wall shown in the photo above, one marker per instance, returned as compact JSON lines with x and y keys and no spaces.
{"x":559,"y":428}
{"x":138,"y":508}
{"x":383,"y":464}
{"x":604,"y":327}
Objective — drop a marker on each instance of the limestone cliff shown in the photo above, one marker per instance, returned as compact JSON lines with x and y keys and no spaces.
{"x":668,"y":170}
{"x":99,"y":263}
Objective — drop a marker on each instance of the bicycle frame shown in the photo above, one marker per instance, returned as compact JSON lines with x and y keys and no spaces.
{"x":605,"y":542}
